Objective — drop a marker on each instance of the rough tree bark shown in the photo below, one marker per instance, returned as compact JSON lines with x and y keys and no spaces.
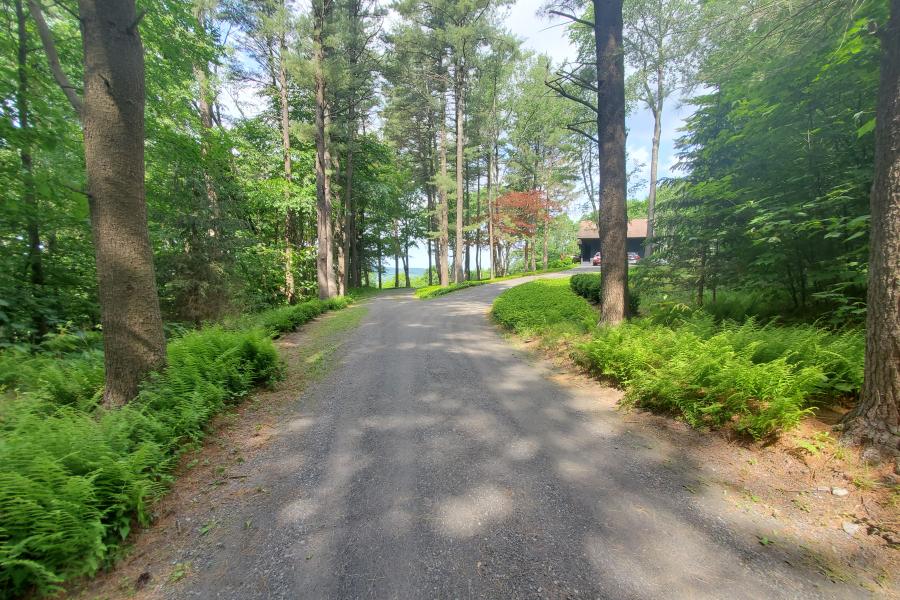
{"x":611,"y":135}
{"x":396,"y":255}
{"x":444,"y":217}
{"x":290,"y":223}
{"x":349,"y":210}
{"x":113,"y":122}
{"x":458,"y":91}
{"x":324,"y":256}
{"x":876,"y":419}
{"x":478,"y":218}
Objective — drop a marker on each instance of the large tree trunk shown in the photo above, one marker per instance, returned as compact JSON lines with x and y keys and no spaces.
{"x":349,"y":210}
{"x":478,"y":219}
{"x":467,"y":236}
{"x":113,"y":121}
{"x":611,"y":133}
{"x":876,"y":420}
{"x":340,"y":272}
{"x":491,"y":183}
{"x":324,"y":256}
{"x":29,"y":195}
{"x":290,"y":221}
{"x":444,"y":239}
{"x":458,"y":92}
{"x":353,"y":9}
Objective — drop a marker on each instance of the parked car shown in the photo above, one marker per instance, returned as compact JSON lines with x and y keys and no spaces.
{"x":596,"y":260}
{"x":633,"y":258}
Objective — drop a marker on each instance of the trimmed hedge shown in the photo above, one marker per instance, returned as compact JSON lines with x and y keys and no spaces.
{"x":537,"y":306}
{"x":75,"y":477}
{"x":586,"y":285}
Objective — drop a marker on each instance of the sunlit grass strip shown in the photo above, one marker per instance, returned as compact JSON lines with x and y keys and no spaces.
{"x":433,"y":291}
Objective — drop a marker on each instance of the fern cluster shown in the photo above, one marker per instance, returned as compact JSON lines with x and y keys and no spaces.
{"x":75,"y":477}
{"x":758,"y":379}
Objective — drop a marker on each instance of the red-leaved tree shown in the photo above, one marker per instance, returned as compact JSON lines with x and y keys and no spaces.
{"x":520,"y":218}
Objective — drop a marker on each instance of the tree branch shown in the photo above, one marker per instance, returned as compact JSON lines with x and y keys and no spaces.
{"x":53,"y":58}
{"x":556,"y":87}
{"x":582,"y":132}
{"x":584,"y":22}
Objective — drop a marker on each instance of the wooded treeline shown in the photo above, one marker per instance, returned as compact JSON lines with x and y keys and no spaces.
{"x":186,"y":159}
{"x":282,"y":150}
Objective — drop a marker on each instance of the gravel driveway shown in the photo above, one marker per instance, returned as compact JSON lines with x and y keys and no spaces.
{"x":435,"y":461}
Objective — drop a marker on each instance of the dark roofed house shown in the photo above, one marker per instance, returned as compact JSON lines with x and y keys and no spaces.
{"x":589,"y":237}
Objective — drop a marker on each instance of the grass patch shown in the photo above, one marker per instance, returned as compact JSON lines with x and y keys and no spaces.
{"x":433,"y":291}
{"x":75,"y":477}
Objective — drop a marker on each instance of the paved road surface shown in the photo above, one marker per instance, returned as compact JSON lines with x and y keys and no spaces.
{"x":436,"y":462}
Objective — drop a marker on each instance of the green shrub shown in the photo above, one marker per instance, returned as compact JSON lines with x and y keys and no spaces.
{"x":69,"y":342}
{"x":562,"y":263}
{"x":540,"y":305}
{"x":586,"y":285}
{"x":287,"y":318}
{"x":75,"y":477}
{"x":757,"y":379}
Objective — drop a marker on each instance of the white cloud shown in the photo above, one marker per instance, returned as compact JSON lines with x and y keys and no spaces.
{"x":548,"y":36}
{"x":640,"y":155}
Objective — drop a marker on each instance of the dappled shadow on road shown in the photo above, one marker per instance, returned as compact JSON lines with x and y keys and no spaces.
{"x":437,"y":462}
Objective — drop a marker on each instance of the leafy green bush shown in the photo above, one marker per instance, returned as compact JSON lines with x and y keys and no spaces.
{"x":586,"y":285}
{"x":757,"y":379}
{"x":539,"y":305}
{"x":288,"y":318}
{"x":75,"y":477}
{"x":562,"y":263}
